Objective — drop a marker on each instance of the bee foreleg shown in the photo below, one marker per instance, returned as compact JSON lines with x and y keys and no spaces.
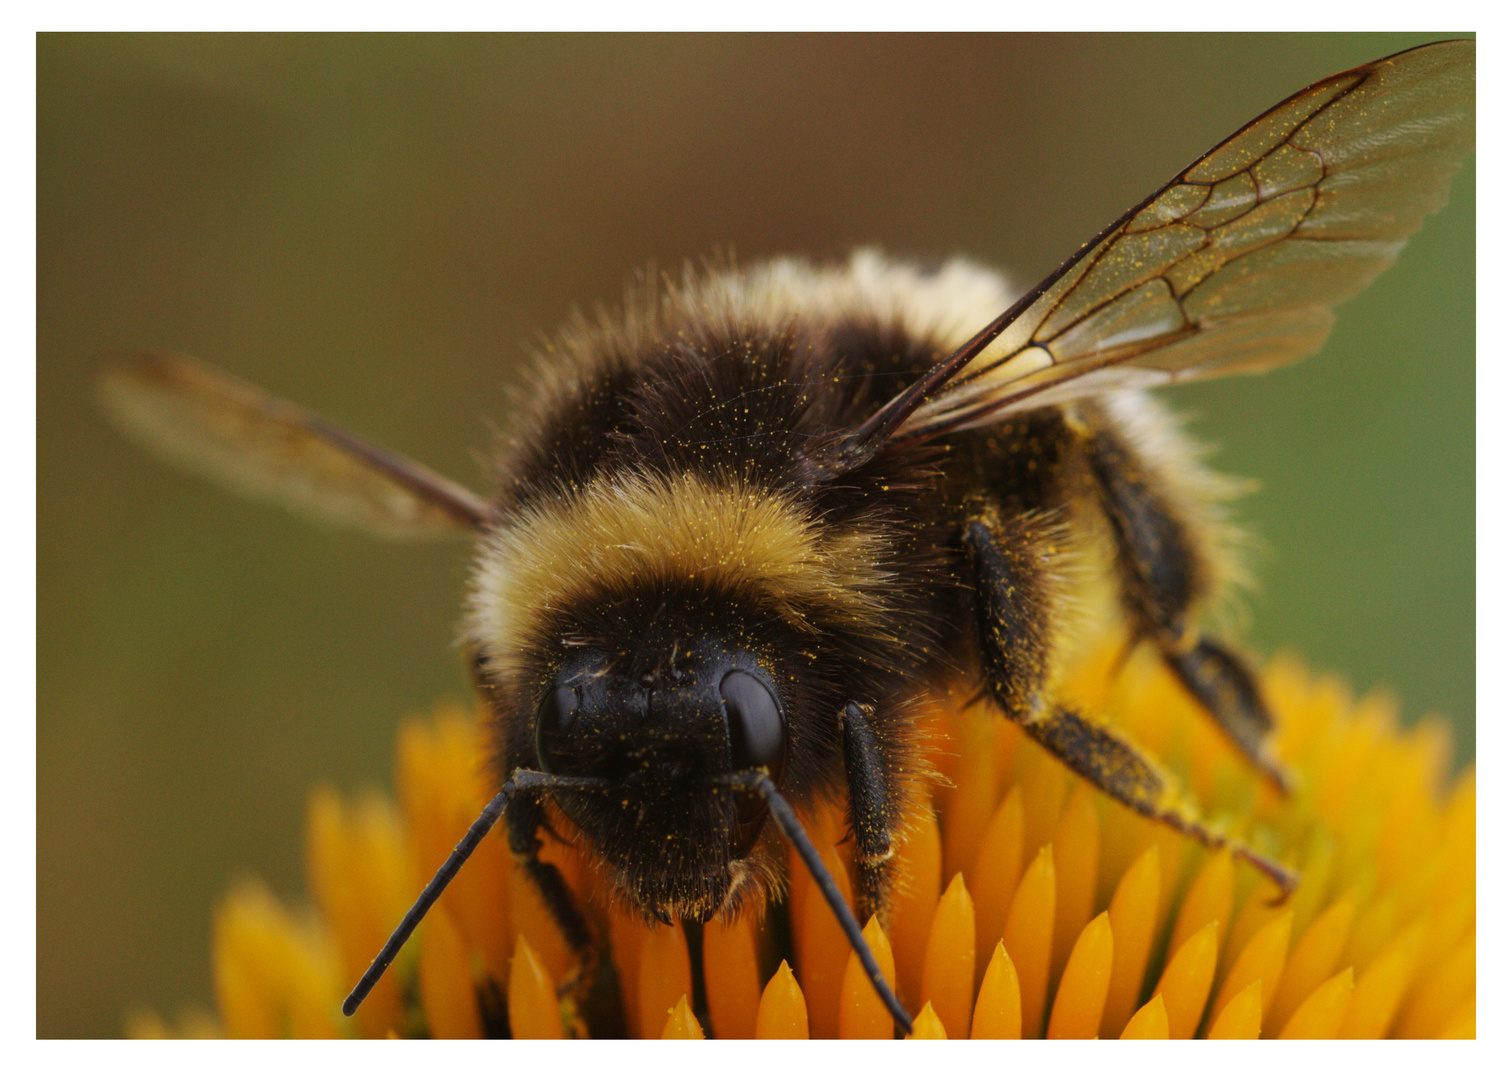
{"x":523,"y":819}
{"x":871,"y":823}
{"x":1165,"y":573}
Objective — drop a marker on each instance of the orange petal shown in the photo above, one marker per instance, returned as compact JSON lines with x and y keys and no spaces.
{"x":1209,"y":899}
{"x":1440,"y":990}
{"x":1379,"y":992}
{"x":917,"y":894}
{"x":533,"y":1009}
{"x":439,"y":780}
{"x":972,"y":800}
{"x":950,"y":959}
{"x":531,"y":918}
{"x":823,"y":950}
{"x":1150,"y":1022}
{"x":1459,"y":838}
{"x":1187,"y":979}
{"x":665,"y":975}
{"x":1449,"y":919}
{"x":1044,"y":781}
{"x":1374,"y":927}
{"x":1263,"y":958}
{"x":1084,"y":985}
{"x":146,"y":1024}
{"x":681,"y":1023}
{"x":731,"y":977}
{"x":782,"y":1013}
{"x":447,"y":995}
{"x":357,"y":861}
{"x":999,"y":1011}
{"x":627,"y":936}
{"x":862,"y":1013}
{"x":1132,"y":914}
{"x":1075,"y":871}
{"x":1240,"y":1018}
{"x":1317,"y":871}
{"x":1315,"y":958}
{"x":823,"y":831}
{"x":1461,"y":1024}
{"x":927,"y":1025}
{"x":995,"y":874}
{"x":1322,"y":1013}
{"x":1027,"y":936}
{"x":274,"y":979}
{"x":1255,"y":911}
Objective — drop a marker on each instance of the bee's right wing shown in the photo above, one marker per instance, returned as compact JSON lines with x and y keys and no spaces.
{"x":229,"y":431}
{"x":1233,"y":266}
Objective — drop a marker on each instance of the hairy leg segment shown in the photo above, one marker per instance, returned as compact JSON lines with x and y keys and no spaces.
{"x":1013,"y":598}
{"x":871,"y":815}
{"x":1164,"y":575}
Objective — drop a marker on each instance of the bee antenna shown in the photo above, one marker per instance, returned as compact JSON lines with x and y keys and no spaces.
{"x":520,"y":780}
{"x":788,"y":822}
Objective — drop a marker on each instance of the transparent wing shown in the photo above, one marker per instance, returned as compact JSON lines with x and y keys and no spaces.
{"x":1235,"y":264}
{"x":231,"y":432}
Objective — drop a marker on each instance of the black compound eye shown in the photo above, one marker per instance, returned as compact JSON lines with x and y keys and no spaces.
{"x":553,"y":728}
{"x":758,"y":736}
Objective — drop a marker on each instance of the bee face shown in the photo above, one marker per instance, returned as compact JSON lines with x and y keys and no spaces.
{"x":636,"y":719}
{"x":664,"y":723}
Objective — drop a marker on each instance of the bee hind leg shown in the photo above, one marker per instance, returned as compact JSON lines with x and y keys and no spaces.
{"x":1013,"y":606}
{"x":1227,"y":689}
{"x":1165,"y":569}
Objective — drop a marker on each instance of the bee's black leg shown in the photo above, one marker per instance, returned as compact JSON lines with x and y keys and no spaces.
{"x":1014,"y":603}
{"x":1165,"y":573}
{"x":1121,"y":772}
{"x":1226,"y":687}
{"x":523,"y":819}
{"x":1013,"y":593}
{"x":872,"y":823}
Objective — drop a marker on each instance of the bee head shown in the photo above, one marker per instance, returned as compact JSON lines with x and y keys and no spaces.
{"x":657,"y":633}
{"x":665,"y":722}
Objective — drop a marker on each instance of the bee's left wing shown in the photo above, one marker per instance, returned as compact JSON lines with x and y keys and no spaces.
{"x":1232,"y":266}
{"x":245,"y":438}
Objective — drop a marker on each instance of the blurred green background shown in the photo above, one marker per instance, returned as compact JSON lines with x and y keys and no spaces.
{"x":375,"y":225}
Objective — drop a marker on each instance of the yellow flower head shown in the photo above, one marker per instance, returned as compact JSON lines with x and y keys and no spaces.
{"x":1029,"y":905}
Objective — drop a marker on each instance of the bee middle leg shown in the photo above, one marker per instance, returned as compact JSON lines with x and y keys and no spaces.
{"x":1014,"y":601}
{"x":1164,"y":573}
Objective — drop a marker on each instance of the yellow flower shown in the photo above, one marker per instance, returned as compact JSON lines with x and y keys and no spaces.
{"x":1029,"y":904}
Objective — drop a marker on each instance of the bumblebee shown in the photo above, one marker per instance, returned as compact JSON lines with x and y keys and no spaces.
{"x":753,"y":519}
